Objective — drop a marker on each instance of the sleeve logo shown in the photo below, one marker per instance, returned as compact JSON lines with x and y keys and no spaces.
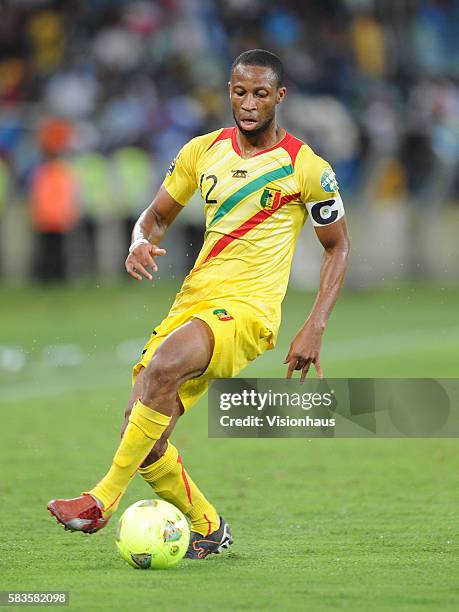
{"x":328,"y":181}
{"x":171,"y":168}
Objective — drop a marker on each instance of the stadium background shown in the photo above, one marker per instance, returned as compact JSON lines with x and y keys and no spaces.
{"x":95,"y":100}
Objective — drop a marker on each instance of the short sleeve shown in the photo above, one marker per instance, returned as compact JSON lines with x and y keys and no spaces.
{"x":319,"y":188}
{"x":180,"y":181}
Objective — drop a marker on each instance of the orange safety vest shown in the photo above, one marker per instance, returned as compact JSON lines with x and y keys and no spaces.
{"x":54,"y":206}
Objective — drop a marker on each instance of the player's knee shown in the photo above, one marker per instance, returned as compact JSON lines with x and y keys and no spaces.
{"x":161,"y":375}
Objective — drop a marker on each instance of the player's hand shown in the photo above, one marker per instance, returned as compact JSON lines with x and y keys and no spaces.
{"x":141,"y":258}
{"x":305,"y":350}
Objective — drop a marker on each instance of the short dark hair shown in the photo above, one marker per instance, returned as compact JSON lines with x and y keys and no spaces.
{"x":261,"y":57}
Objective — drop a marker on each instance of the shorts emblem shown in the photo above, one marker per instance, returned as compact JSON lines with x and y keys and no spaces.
{"x":222,"y":314}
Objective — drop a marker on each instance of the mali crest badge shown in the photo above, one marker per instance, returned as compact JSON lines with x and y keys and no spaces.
{"x":222,"y":314}
{"x":270,"y":198}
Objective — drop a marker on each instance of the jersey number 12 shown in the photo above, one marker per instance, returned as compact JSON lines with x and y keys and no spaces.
{"x":209,"y":177}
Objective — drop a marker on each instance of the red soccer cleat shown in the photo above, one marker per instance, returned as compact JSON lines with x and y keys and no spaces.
{"x":78,"y":514}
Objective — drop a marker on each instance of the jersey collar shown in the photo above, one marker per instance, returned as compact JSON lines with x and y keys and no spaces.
{"x":237,"y":150}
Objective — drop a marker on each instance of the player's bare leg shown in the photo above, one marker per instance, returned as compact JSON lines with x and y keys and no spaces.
{"x":185,"y":354}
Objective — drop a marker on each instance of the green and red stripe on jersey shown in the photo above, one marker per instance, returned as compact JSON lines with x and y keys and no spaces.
{"x":245,"y":227}
{"x":258,"y":183}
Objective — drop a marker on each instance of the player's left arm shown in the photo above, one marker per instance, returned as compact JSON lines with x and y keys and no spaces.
{"x":305,"y":347}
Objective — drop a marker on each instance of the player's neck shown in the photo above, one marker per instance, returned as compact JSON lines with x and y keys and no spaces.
{"x":251,"y":145}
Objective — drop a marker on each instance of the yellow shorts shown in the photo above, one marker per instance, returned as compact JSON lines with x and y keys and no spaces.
{"x":239,"y":337}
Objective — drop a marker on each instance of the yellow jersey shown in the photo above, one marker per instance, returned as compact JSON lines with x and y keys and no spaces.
{"x":254,"y":210}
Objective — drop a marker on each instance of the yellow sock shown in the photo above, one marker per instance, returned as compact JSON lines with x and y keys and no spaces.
{"x":144,"y":428}
{"x":169,"y":479}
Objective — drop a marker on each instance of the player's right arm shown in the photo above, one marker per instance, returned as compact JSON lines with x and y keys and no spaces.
{"x":177,"y":188}
{"x":148,"y":231}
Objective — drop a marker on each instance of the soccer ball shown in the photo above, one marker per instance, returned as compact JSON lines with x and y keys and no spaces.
{"x":152,"y":534}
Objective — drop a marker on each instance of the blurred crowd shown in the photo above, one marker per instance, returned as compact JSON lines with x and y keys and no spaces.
{"x":97,"y":96}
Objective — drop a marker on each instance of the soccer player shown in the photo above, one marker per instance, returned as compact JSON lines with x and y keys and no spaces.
{"x":258,"y":184}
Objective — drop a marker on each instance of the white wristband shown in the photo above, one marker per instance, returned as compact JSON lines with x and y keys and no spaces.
{"x":136,"y":243}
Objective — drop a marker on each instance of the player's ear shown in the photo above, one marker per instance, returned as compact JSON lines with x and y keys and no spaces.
{"x":281,"y":91}
{"x":229,"y":87}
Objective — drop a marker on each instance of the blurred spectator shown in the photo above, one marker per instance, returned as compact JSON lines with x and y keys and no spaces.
{"x":367,"y":39}
{"x":54,"y":135}
{"x":71,"y":94}
{"x":47,"y":37}
{"x":327,"y":126}
{"x":435,"y":36}
{"x":134,"y":179}
{"x":54,"y":212}
{"x":12,"y":73}
{"x":97,"y":205}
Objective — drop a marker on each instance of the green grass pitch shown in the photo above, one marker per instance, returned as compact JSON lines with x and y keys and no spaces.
{"x":319,"y":524}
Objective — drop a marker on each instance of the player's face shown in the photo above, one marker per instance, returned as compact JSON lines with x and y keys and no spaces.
{"x":254,"y":95}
